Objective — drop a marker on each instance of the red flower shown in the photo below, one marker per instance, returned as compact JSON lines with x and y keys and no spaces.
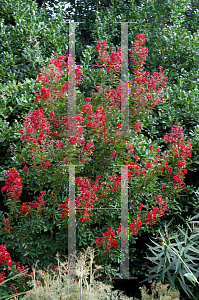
{"x":149,"y":165}
{"x":45,"y":164}
{"x":2,"y":276}
{"x":137,"y":125}
{"x":112,"y":154}
{"x":73,"y":140}
{"x":13,"y":185}
{"x":5,"y":258}
{"x":7,"y":225}
{"x":25,"y":169}
{"x":141,"y":205}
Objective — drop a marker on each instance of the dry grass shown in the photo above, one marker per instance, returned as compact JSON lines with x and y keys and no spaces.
{"x":72,"y":280}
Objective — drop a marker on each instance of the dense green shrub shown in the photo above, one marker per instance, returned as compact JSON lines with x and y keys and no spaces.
{"x":29,"y":37}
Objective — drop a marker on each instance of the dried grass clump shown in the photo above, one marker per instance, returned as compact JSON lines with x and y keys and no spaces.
{"x":62,"y":284}
{"x":159,"y":292}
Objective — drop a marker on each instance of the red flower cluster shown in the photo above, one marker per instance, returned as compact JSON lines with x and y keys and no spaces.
{"x":21,"y":269}
{"x":2,"y":276}
{"x":115,"y":95}
{"x":108,"y":240}
{"x":146,"y":91}
{"x":60,"y":62}
{"x":122,"y":230}
{"x":112,"y":154}
{"x":55,"y":68}
{"x":113,"y":61}
{"x":152,"y":216}
{"x":5,"y":258}
{"x":85,"y":201}
{"x":26,"y":169}
{"x":156,"y":212}
{"x":135,"y":225}
{"x":45,"y":164}
{"x":78,"y":73}
{"x":64,"y":208}
{"x":13,"y":185}
{"x":13,"y":290}
{"x":45,"y":94}
{"x":36,"y":128}
{"x":137,"y":126}
{"x":138,"y":53}
{"x":27,"y":207}
{"x":53,"y":73}
{"x":180,"y":150}
{"x":55,"y":268}
{"x":98,"y":121}
{"x":88,"y":197}
{"x":114,"y":183}
{"x":7,"y":226}
{"x":175,"y":136}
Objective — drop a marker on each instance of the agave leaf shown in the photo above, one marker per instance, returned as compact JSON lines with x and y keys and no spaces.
{"x":194,"y":236}
{"x":192,"y":268}
{"x":191,"y":277}
{"x":186,"y":288}
{"x":161,"y":263}
{"x":193,"y":249}
{"x":181,"y":230}
{"x":154,"y":252}
{"x":159,"y":257}
{"x":191,"y":258}
{"x":149,"y":278}
{"x":179,"y":244}
{"x":177,"y":264}
{"x":152,"y":259}
{"x":181,"y":272}
{"x":174,"y":277}
{"x":154,"y":244}
{"x":181,"y":251}
{"x":154,"y":269}
{"x":170,"y":279}
{"x":195,"y":217}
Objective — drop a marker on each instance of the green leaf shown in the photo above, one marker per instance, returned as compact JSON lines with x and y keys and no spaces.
{"x":191,"y":276}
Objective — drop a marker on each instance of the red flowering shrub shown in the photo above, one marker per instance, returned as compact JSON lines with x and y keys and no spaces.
{"x":96,"y":146}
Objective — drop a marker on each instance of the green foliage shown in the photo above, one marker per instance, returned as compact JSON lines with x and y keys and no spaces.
{"x":174,"y":47}
{"x":29,"y":36}
{"x":15,"y":102}
{"x":30,"y":40}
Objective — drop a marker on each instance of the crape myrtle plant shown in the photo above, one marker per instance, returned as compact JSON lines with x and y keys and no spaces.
{"x":37,"y":229}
